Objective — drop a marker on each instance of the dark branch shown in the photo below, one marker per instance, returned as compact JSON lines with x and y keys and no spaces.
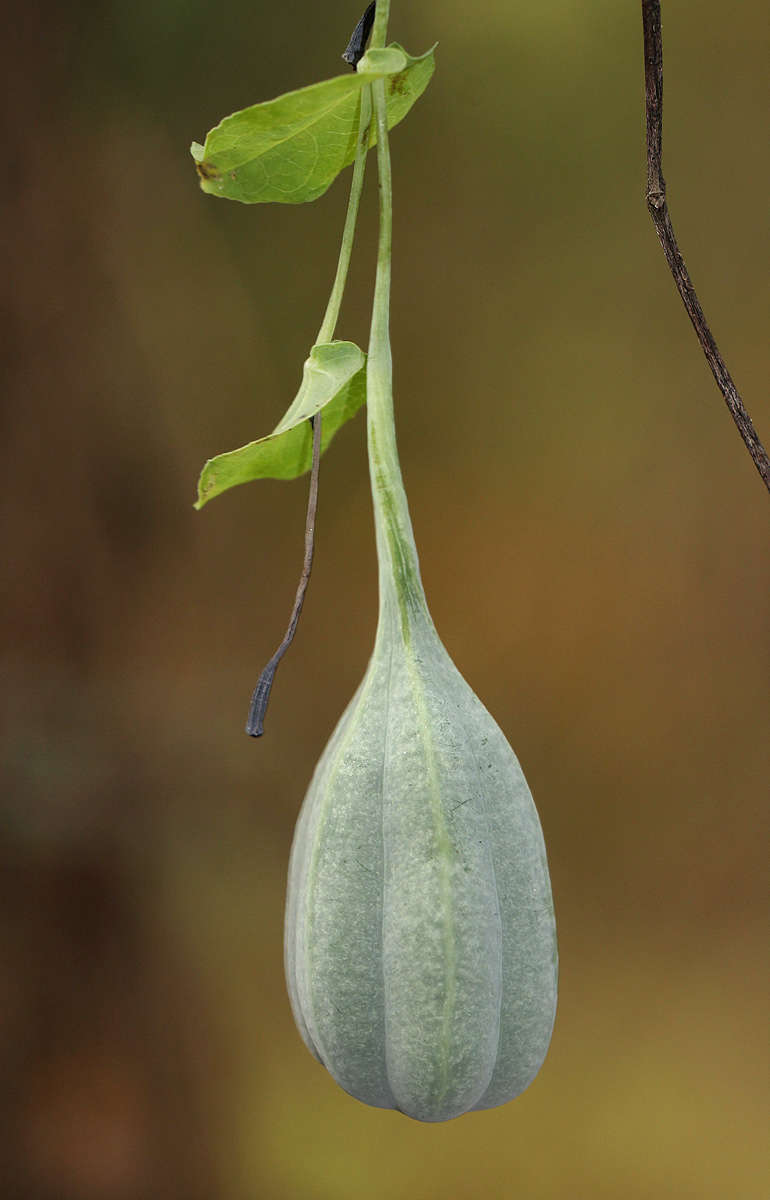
{"x":261,"y":693}
{"x":656,"y":203}
{"x":359,"y":37}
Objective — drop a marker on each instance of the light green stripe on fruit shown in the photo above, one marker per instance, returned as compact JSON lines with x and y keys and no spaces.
{"x":445,"y":858}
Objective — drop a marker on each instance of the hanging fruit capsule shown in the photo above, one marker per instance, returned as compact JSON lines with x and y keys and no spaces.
{"x":420,"y":940}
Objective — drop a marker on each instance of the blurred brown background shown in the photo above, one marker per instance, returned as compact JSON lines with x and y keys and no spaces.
{"x":594,"y":545}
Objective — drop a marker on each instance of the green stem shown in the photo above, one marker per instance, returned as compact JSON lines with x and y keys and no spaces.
{"x":380,"y":27}
{"x":400,"y":586}
{"x":329,"y":323}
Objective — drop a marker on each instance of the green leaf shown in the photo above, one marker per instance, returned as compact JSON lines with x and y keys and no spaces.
{"x":289,"y":150}
{"x":333,"y":379}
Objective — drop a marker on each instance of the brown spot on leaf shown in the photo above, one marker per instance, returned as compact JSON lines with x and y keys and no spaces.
{"x":207,"y":170}
{"x":397,"y":83}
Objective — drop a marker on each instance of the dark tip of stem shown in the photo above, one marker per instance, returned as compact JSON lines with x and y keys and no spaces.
{"x":359,"y":37}
{"x":260,"y":698}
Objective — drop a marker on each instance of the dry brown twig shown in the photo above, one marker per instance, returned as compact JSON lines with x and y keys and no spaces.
{"x":656,"y":203}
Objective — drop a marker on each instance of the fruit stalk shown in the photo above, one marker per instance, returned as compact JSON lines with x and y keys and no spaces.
{"x":399,"y":572}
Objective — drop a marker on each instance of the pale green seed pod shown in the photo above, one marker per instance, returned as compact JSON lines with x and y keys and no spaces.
{"x":420,"y":939}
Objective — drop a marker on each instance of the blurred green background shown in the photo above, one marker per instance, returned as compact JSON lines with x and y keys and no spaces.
{"x":594,"y":547}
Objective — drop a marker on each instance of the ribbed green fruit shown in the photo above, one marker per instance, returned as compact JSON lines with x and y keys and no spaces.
{"x":420,"y":940}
